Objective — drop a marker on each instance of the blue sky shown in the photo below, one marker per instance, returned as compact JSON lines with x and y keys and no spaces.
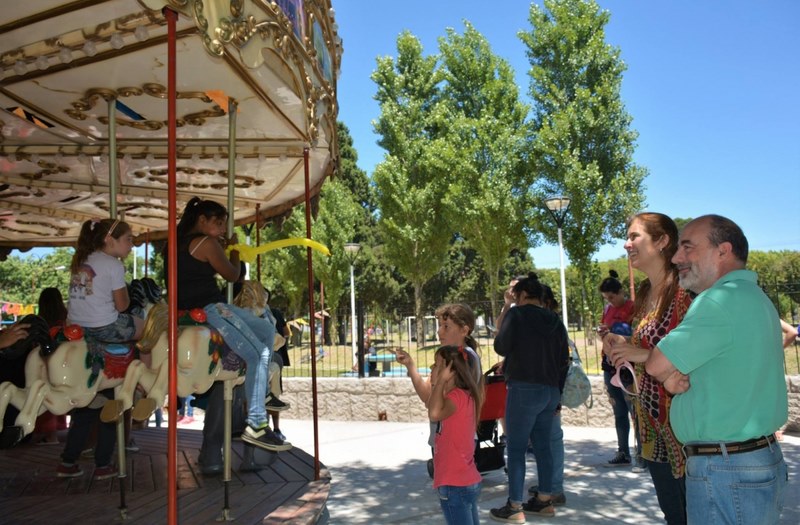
{"x":712,"y":87}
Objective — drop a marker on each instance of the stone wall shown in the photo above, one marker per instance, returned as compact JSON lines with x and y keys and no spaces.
{"x":394,"y":399}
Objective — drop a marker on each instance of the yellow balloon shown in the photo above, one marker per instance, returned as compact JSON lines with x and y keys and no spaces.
{"x":248,"y":254}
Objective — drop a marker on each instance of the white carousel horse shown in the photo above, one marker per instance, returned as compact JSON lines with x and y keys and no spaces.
{"x":203,"y":358}
{"x":64,"y":376}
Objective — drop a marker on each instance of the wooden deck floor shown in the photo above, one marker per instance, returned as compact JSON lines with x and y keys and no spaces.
{"x":285,"y":492}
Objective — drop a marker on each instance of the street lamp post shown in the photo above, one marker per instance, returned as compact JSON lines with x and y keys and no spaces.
{"x":351,"y":250}
{"x":557,"y":206}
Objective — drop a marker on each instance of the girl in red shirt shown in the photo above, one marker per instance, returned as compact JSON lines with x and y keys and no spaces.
{"x":455,"y":404}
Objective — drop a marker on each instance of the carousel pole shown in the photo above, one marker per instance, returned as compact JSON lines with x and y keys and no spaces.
{"x":258,"y":243}
{"x":172,"y":270}
{"x":314,"y":400}
{"x":228,"y":393}
{"x":113,"y":170}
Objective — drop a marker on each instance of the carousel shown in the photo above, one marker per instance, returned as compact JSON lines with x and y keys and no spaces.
{"x":127,"y":109}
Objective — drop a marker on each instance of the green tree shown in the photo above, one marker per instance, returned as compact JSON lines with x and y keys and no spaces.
{"x":413,"y":180}
{"x":582,"y":143}
{"x":488,"y":130}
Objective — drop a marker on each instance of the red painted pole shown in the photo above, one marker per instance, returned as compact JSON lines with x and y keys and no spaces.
{"x":314,"y":401}
{"x":172,"y":271}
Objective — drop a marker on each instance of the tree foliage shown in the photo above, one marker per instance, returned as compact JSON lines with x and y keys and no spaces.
{"x":413,"y":180}
{"x":582,"y":143}
{"x":488,"y":129}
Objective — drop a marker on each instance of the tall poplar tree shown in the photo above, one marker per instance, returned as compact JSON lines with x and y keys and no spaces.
{"x":413,"y":179}
{"x":489,"y":131}
{"x":582,"y":142}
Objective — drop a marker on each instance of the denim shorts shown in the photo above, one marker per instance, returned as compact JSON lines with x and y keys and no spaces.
{"x":120,"y":331}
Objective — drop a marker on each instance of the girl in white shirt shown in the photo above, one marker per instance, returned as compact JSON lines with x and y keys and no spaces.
{"x":98,"y":293}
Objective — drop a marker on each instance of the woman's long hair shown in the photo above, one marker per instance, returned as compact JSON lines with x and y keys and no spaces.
{"x":658,"y":225}
{"x":464,"y":375}
{"x":93,"y":237}
{"x":51,"y":307}
{"x":192,"y":212}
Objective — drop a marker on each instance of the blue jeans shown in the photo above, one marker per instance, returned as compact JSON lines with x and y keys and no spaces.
{"x":530,"y":409}
{"x":745,"y":488}
{"x":622,"y":421}
{"x":251,"y":338}
{"x":557,"y":449}
{"x":670,"y":492}
{"x":460,"y":504}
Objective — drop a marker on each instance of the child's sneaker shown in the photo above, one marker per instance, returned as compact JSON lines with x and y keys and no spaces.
{"x":507,"y":514}
{"x":276,"y":405}
{"x":109,"y":471}
{"x":65,"y":470}
{"x":264,"y":438}
{"x":541,"y":508}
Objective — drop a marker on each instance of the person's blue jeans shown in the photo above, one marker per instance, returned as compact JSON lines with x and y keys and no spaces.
{"x":460,"y":504}
{"x":740,"y":489}
{"x":251,"y":337}
{"x":530,"y":409}
{"x":621,"y":408}
{"x":670,"y":492}
{"x":557,"y":449}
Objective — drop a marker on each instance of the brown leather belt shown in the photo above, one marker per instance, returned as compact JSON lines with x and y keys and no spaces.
{"x":710,"y":449}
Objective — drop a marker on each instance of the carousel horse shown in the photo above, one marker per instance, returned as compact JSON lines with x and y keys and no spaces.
{"x":203,"y":358}
{"x":68,"y":371}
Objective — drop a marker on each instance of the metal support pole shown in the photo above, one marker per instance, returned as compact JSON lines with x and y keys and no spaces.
{"x":172,"y":266}
{"x":113,"y":168}
{"x":362,"y":360}
{"x":232,"y":108}
{"x":354,"y":327}
{"x":563,"y":280}
{"x":123,"y":508}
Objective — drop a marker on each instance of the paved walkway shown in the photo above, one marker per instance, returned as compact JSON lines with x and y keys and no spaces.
{"x":379,"y":476}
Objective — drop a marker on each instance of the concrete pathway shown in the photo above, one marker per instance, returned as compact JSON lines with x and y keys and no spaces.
{"x":380,"y":477}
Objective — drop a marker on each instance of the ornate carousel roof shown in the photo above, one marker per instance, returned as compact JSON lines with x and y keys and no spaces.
{"x":74,"y":70}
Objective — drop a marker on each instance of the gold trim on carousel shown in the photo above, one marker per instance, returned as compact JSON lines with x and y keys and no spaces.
{"x":92,"y":96}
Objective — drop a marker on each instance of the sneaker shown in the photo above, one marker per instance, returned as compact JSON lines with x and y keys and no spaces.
{"x":65,"y":470}
{"x":109,"y":471}
{"x":276,"y":405}
{"x":279,"y":434}
{"x":640,"y":466}
{"x":185,"y":420}
{"x":620,"y":460}
{"x":541,"y":508}
{"x":264,"y":438}
{"x":507,"y":514}
{"x":132,"y":447}
{"x":557,"y":499}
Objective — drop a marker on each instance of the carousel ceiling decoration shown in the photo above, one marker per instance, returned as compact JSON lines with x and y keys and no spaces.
{"x":67,"y":68}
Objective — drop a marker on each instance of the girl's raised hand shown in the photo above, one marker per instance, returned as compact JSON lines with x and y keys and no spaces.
{"x":404,"y":358}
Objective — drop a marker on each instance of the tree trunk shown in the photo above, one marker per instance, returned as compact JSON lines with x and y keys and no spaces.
{"x":419,"y":314}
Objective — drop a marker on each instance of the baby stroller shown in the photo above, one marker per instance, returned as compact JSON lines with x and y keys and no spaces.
{"x":489,"y":450}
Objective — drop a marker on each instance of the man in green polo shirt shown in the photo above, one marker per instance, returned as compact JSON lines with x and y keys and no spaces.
{"x":724,"y":363}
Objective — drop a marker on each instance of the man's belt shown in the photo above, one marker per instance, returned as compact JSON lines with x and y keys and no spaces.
{"x":710,"y":449}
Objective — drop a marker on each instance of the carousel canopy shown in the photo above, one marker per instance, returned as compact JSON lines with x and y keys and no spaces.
{"x":85,"y":79}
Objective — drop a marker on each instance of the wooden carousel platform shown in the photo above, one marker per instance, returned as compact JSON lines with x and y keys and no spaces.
{"x":284,"y":492}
